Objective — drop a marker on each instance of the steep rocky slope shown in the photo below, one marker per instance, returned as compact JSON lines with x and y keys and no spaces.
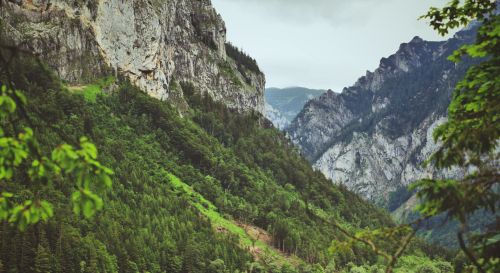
{"x":374,"y":135}
{"x":276,"y":117}
{"x":154,"y":44}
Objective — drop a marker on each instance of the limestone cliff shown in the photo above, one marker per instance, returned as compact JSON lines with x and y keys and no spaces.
{"x":375,"y":135}
{"x":155,"y":44}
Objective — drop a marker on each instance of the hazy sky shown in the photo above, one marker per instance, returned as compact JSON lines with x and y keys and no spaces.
{"x":324,"y":44}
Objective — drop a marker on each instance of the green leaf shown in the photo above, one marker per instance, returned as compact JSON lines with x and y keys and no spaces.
{"x":35,"y":217}
{"x":76,"y":196}
{"x":7,"y":194}
{"x":90,"y":149}
{"x":21,"y":97}
{"x":7,"y":106}
{"x":106,"y":180}
{"x":88,"y":209}
{"x":47,"y":207}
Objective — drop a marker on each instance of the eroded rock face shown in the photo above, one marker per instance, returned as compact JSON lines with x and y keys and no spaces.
{"x":374,"y":136}
{"x":152,"y":43}
{"x":275,"y":116}
{"x":375,"y":165}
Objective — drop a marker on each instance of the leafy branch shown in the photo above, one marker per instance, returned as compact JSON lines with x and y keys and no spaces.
{"x":22,"y":156}
{"x":403,"y":234}
{"x":470,"y":138}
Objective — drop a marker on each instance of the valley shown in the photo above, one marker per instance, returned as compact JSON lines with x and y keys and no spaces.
{"x":136,"y":138}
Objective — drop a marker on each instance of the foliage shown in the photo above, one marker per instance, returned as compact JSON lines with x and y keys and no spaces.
{"x":146,"y":226}
{"x":469,"y":140}
{"x":398,"y":197}
{"x":407,"y":264}
{"x":244,"y":63}
{"x":21,"y":153}
{"x":91,"y":91}
{"x":459,"y":13}
{"x":176,"y":180}
{"x":470,"y":137}
{"x":227,"y":70}
{"x":257,"y":149}
{"x":242,"y":59}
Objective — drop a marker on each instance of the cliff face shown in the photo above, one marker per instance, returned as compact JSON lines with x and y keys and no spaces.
{"x":276,"y":117}
{"x":155,"y":44}
{"x":374,"y":136}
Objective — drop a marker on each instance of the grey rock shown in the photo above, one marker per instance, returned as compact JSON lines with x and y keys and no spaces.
{"x":276,"y":117}
{"x":374,"y":136}
{"x":151,"y":43}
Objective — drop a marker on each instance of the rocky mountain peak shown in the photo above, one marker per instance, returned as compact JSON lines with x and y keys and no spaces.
{"x":374,"y":135}
{"x":417,"y":39}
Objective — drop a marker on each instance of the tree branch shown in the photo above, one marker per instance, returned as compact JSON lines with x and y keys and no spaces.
{"x":467,"y":252}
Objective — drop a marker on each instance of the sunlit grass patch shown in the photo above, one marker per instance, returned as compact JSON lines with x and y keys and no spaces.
{"x":209,"y":210}
{"x":91,"y":91}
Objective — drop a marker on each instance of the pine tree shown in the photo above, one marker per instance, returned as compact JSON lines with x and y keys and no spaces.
{"x":91,"y":262}
{"x":11,"y":251}
{"x":42,"y":260}
{"x":28,"y":252}
{"x":192,"y":258}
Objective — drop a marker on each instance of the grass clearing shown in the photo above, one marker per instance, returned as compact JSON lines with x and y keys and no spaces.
{"x":209,"y":210}
{"x":91,"y":91}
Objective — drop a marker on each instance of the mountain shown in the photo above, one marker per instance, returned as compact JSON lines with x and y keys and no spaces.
{"x":202,"y":181}
{"x":374,"y":136}
{"x":283,"y":105}
{"x":276,"y":117}
{"x":153,"y":44}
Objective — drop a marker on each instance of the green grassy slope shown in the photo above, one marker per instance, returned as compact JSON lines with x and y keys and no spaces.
{"x":176,"y":180}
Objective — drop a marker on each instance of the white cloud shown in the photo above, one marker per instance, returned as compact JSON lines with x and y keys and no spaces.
{"x":322,"y":43}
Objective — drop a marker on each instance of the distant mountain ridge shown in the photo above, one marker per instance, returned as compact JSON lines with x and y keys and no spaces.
{"x":283,"y":104}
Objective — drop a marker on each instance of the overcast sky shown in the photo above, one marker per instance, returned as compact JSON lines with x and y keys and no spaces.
{"x":324,"y":44}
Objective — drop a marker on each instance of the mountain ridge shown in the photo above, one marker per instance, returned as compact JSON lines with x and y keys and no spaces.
{"x":283,"y":104}
{"x":197,"y":169}
{"x":374,"y":135}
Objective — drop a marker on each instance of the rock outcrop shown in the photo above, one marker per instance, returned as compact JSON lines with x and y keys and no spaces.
{"x":154,"y":44}
{"x":276,"y":117}
{"x":374,"y":136}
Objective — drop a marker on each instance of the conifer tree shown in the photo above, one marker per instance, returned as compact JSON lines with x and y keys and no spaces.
{"x":42,"y":260}
{"x":28,"y":252}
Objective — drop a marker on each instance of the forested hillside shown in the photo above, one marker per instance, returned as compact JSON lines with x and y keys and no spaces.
{"x":132,"y":139}
{"x":186,"y":190}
